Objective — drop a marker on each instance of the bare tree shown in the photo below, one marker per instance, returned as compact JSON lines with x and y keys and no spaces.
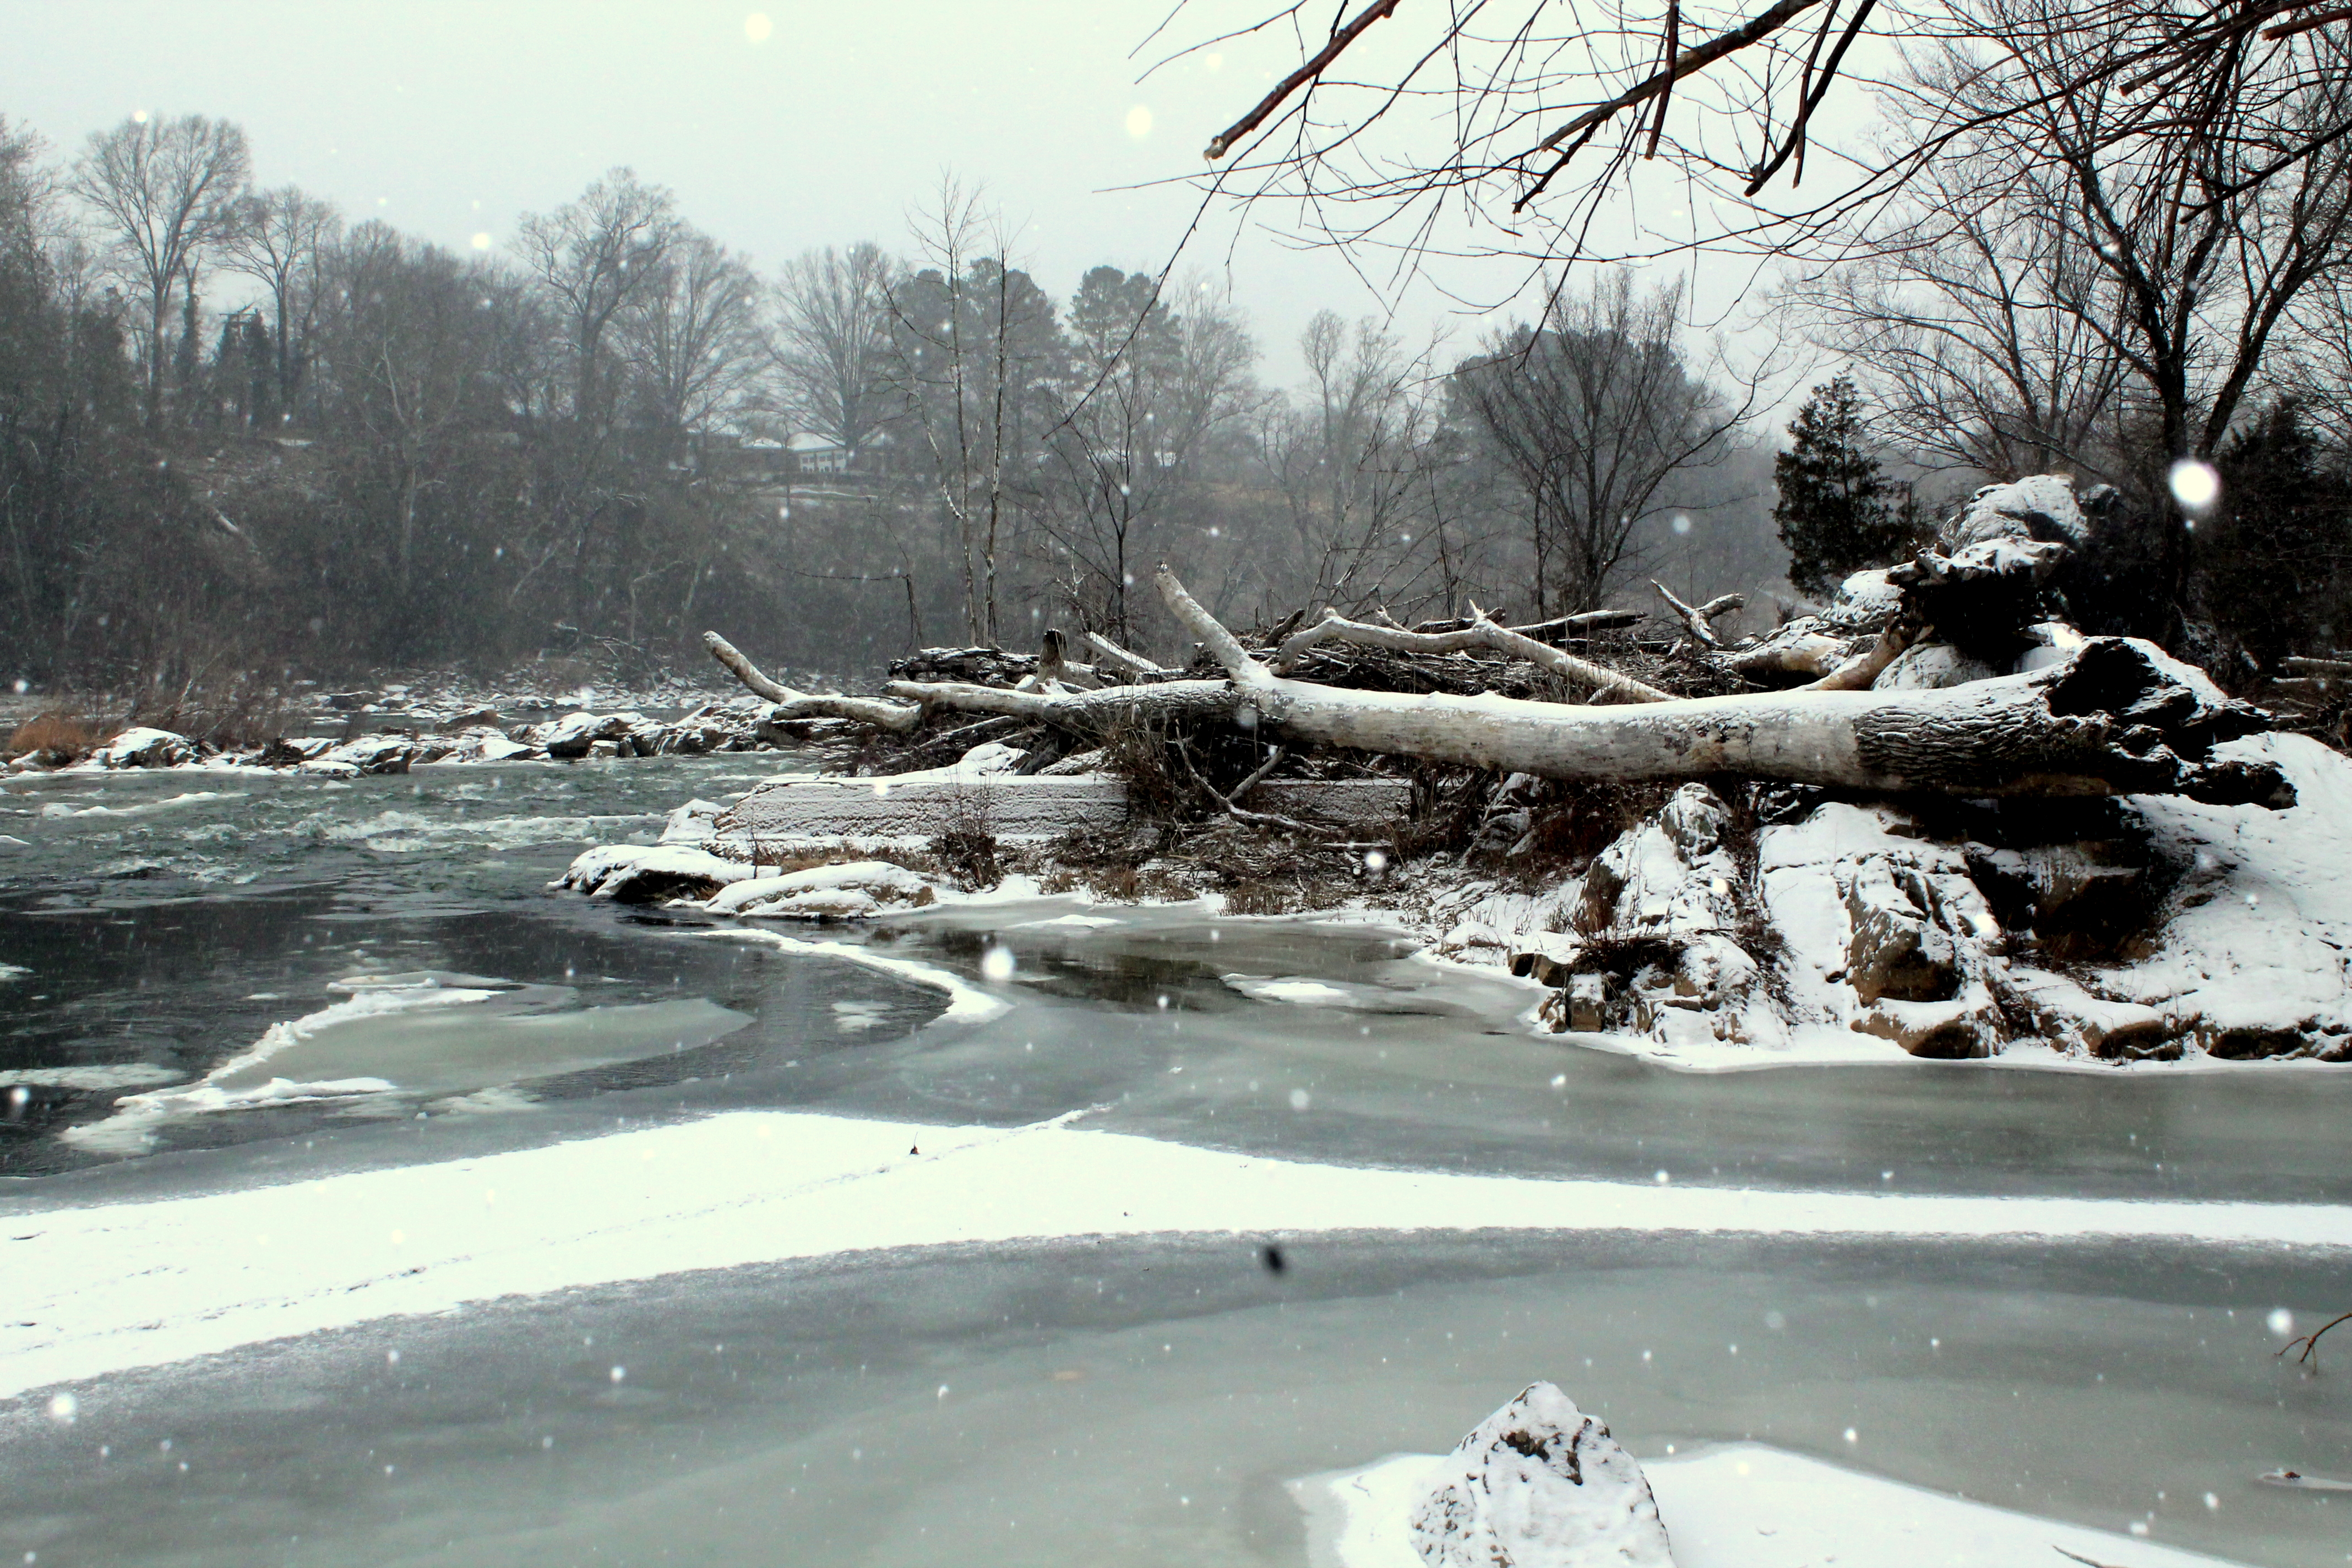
{"x":1591,"y":414}
{"x":830,"y":341}
{"x":2165,"y":253}
{"x":280,"y":241}
{"x":691,"y":338}
{"x":1149,"y":392}
{"x":971,"y":338}
{"x":404,"y":349}
{"x":165,"y":191}
{"x":593,"y":257}
{"x":1350,"y":460}
{"x":1968,"y":332}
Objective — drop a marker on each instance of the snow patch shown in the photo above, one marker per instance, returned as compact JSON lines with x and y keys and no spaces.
{"x":103,"y":1287}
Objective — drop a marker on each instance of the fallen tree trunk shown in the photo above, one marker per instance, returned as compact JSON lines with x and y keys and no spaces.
{"x":1090,"y":712}
{"x":1480,"y":633}
{"x":2109,"y":720}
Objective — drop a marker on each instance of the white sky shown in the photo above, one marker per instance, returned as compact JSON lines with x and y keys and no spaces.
{"x":448,"y":118}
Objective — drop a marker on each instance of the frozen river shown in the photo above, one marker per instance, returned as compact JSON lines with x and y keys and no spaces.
{"x":221,"y":988}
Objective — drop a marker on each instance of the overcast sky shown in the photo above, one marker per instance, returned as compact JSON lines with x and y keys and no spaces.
{"x":781,"y":125}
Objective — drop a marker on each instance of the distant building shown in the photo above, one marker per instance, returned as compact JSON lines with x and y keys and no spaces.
{"x":814,"y":454}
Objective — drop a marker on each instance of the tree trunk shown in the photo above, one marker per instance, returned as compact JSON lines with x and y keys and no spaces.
{"x":2110,"y":721}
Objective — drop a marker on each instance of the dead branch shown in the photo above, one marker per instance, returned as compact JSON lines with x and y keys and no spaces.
{"x":1858,"y":673}
{"x":1697,"y":616}
{"x":791,"y":704}
{"x":1813,"y":654}
{"x":1480,"y":633}
{"x":1087,"y":712}
{"x":1584,"y":621}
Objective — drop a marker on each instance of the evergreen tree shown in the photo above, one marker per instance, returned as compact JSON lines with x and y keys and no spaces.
{"x":1837,"y":512}
{"x":2275,"y":559}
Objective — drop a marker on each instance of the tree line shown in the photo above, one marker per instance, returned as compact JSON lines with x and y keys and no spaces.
{"x":239,"y":433}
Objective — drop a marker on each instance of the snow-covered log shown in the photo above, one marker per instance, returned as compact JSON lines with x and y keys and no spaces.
{"x":1480,"y":632}
{"x":1087,"y":711}
{"x":1134,"y":666}
{"x":791,"y":704}
{"x":2115,"y":717}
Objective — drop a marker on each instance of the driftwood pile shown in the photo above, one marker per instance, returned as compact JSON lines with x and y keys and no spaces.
{"x":1955,"y":673}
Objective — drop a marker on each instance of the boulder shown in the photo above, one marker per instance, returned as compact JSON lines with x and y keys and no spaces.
{"x":387,"y":753}
{"x":575,"y":734}
{"x":1539,"y":1484}
{"x":144,"y":748}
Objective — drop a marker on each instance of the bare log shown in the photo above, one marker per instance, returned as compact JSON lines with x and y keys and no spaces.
{"x":1858,"y":673}
{"x":2302,"y":665}
{"x":2110,"y":720}
{"x":1582,"y":622}
{"x":1134,"y":665}
{"x":791,"y":704}
{"x":1811,"y":654}
{"x":1697,"y":616}
{"x":1088,"y":712}
{"x":1480,"y":633}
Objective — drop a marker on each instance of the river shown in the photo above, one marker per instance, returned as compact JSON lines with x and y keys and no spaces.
{"x":219,"y":984}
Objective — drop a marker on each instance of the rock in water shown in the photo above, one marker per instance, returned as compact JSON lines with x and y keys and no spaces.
{"x":1539,"y":1484}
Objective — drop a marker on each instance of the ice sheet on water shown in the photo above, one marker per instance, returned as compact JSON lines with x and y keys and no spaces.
{"x":422,"y":1033}
{"x":125,"y":1075}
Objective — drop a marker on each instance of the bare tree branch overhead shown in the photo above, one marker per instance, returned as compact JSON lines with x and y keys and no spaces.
{"x":1507,"y":128}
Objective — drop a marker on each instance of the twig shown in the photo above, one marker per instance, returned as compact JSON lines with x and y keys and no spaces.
{"x":1254,"y":818}
{"x":2310,"y":1341}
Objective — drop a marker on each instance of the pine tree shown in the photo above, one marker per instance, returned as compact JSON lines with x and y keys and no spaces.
{"x":1837,"y":511}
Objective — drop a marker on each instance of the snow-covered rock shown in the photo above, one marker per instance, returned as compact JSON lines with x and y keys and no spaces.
{"x":368,"y":754}
{"x":1539,"y":1484}
{"x":1881,"y":930}
{"x":848,"y":891}
{"x":692,"y":824}
{"x":1651,"y":949}
{"x":486,"y":745}
{"x":145,"y":748}
{"x":2041,"y":507}
{"x":575,"y":734}
{"x":645,"y":874}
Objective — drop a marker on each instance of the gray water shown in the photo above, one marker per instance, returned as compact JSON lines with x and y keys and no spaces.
{"x":1137,"y":1400}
